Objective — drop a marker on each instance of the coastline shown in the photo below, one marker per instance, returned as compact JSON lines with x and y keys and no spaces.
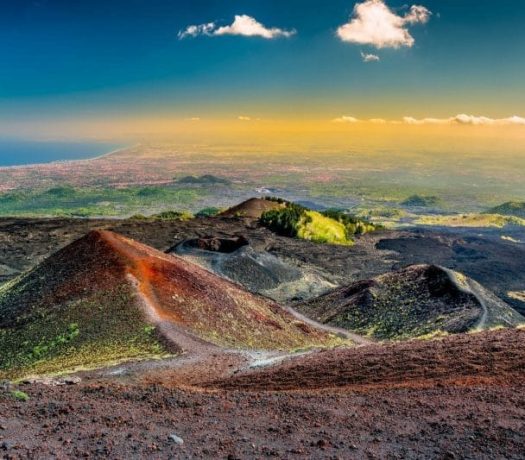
{"x":121,"y":149}
{"x":58,"y":162}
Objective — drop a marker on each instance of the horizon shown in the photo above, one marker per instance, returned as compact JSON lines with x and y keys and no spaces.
{"x":185,"y":71}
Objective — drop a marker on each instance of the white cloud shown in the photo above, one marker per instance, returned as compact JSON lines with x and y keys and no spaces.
{"x":515,"y":120}
{"x":242,"y":25}
{"x":461,"y":119}
{"x":249,"y":27}
{"x":374,"y":23}
{"x":464,"y":119}
{"x":426,"y":121}
{"x":194,"y":31}
{"x":244,"y":118}
{"x":369,"y":57}
{"x":193,"y":119}
{"x":345,"y":119}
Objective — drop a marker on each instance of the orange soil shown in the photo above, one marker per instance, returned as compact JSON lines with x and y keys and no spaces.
{"x":173,"y":292}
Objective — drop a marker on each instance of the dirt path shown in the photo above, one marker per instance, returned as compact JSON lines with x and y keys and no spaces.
{"x":358,"y":339}
{"x":494,"y":311}
{"x":468,"y":286}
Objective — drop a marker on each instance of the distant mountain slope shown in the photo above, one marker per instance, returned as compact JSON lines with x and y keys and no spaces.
{"x":105,"y":298}
{"x":511,"y":208}
{"x":413,"y":302}
{"x":253,"y":208}
{"x":421,"y":201}
{"x":206,"y":179}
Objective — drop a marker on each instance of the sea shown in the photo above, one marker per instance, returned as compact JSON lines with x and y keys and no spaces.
{"x":22,"y":152}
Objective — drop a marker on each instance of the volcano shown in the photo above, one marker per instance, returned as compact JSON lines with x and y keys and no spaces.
{"x":253,"y":208}
{"x":107,"y":298}
{"x":417,"y":301}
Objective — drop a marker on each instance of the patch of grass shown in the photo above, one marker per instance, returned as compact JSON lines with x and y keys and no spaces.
{"x":321,"y":229}
{"x":90,"y":331}
{"x":208,"y":212}
{"x":471,"y":220}
{"x":433,"y":335}
{"x":20,"y":395}
{"x":385,"y":212}
{"x":173,"y":215}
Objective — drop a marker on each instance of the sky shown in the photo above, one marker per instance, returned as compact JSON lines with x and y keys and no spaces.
{"x":149,"y":66}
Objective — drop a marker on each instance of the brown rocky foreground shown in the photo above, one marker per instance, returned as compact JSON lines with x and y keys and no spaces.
{"x":461,"y":397}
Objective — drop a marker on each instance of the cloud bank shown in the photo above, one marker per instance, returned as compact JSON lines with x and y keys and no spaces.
{"x":464,"y":119}
{"x":461,"y":119}
{"x":374,"y":23}
{"x":242,"y":25}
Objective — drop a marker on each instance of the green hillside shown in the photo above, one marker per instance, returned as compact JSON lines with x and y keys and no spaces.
{"x":331,"y":226}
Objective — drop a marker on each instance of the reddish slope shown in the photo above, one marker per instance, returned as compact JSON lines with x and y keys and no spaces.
{"x":488,"y":358}
{"x":185,"y":294}
{"x":95,"y":300}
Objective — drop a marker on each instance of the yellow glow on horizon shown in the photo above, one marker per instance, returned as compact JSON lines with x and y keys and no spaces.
{"x":307,"y":134}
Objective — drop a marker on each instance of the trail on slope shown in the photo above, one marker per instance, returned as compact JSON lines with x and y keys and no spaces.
{"x":199,"y":360}
{"x":494,"y":310}
{"x":358,"y":339}
{"x":466,"y":286}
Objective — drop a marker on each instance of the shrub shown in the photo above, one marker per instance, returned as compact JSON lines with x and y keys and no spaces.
{"x":331,"y":226}
{"x":284,"y":221}
{"x":208,"y":212}
{"x":173,"y":215}
{"x":20,"y":395}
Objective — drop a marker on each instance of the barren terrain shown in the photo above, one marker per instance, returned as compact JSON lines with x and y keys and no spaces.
{"x":459,"y":398}
{"x":456,"y":397}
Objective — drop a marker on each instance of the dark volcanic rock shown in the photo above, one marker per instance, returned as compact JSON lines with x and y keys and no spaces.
{"x":415,"y":301}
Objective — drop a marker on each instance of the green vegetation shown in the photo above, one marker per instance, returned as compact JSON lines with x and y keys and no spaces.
{"x":20,"y":395}
{"x":206,"y":179}
{"x":173,"y":215}
{"x":208,"y":212}
{"x":398,"y":311}
{"x":422,"y":201}
{"x":511,"y":208}
{"x":471,"y":220}
{"x":285,"y":221}
{"x":98,"y":329}
{"x":353,"y":225}
{"x":321,"y":229}
{"x":276,"y":199}
{"x":386,"y":212}
{"x":331,"y":227}
{"x":165,"y":215}
{"x":69,"y":201}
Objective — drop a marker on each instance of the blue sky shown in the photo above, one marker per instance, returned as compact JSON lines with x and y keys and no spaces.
{"x":80,"y":58}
